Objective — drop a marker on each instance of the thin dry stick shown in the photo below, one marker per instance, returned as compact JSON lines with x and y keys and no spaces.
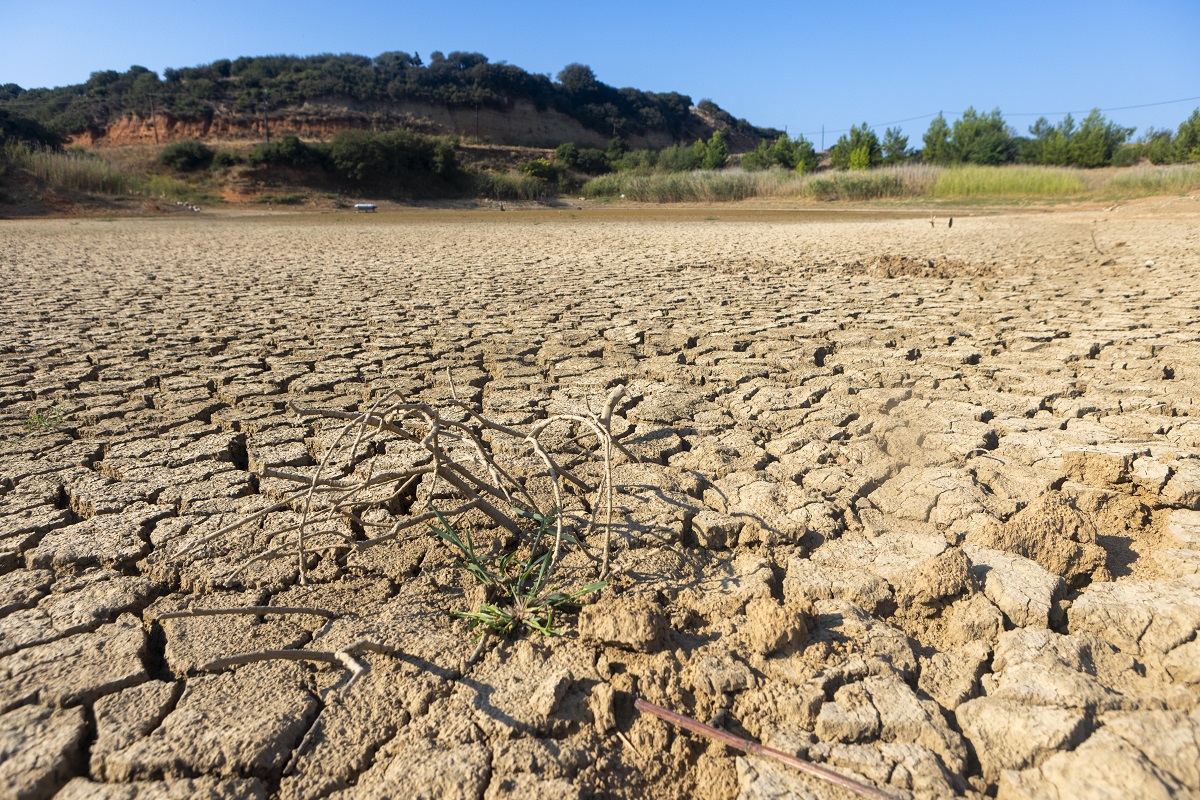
{"x":342,"y":657}
{"x":255,"y":610}
{"x":476,"y":481}
{"x":756,"y":749}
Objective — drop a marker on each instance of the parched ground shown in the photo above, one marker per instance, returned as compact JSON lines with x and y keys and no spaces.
{"x":917,"y":502}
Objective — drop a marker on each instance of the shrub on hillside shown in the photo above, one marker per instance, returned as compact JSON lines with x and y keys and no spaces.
{"x":224,"y":159}
{"x":286,"y":151}
{"x":541,"y":169}
{"x":567,"y":154}
{"x":592,"y":161}
{"x":391,"y":155}
{"x":186,"y":156}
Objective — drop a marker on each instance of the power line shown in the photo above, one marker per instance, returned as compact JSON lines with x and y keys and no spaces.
{"x":1114,"y":108}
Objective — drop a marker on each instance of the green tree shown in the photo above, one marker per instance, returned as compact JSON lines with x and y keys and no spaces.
{"x":592,"y":161}
{"x":1187,"y":140}
{"x":860,"y":158}
{"x":937,"y":142}
{"x":982,"y":138}
{"x":1157,"y":145}
{"x":1097,"y":139}
{"x":895,"y":147}
{"x":793,"y":154}
{"x":859,"y":138}
{"x":578,"y":79}
{"x":804,"y":156}
{"x":567,"y":154}
{"x":1057,"y":148}
{"x":716,"y":152}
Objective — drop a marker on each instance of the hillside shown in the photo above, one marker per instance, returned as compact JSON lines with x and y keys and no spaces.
{"x":463,"y":94}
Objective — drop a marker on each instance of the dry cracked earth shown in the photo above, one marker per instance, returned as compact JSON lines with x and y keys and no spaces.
{"x":915,"y":502}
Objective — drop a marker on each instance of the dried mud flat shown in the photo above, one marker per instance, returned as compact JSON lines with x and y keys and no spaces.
{"x":918,"y":503}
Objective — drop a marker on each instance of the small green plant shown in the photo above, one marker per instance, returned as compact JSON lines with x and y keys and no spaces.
{"x":523,"y":600}
{"x":40,"y":423}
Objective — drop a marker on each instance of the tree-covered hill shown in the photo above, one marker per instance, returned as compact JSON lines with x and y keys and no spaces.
{"x":251,"y":85}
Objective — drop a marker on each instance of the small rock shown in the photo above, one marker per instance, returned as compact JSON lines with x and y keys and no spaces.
{"x":1104,"y":466}
{"x":631,"y":624}
{"x":850,"y":717}
{"x":1026,"y":593}
{"x":974,"y":619}
{"x":549,"y":694}
{"x":600,"y":701}
{"x":771,"y":628}
{"x":715,"y":531}
{"x":951,"y":678}
{"x":941,"y":578}
{"x":808,"y":580}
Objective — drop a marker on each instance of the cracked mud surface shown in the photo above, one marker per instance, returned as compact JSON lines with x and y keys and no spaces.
{"x":919,"y":504}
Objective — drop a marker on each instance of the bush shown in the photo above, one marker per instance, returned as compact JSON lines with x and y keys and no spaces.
{"x":541,"y":169}
{"x":714,"y":153}
{"x":592,"y":161}
{"x":186,"y":156}
{"x":677,"y":158}
{"x":224,"y":159}
{"x":567,"y":154}
{"x":287,"y":151}
{"x":511,"y":186}
{"x":392,"y":155}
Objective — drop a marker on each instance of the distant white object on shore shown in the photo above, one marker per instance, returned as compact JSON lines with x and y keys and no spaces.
{"x":365,"y":207}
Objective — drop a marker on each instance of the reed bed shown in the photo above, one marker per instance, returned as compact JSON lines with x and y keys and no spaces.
{"x":71,"y":170}
{"x":905,"y":182}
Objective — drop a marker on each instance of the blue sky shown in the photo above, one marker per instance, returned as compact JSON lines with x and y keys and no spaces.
{"x":796,"y":65}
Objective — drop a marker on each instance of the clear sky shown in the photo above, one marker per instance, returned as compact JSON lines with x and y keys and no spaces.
{"x":792,"y":64}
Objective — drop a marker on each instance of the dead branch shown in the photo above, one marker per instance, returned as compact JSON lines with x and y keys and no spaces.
{"x":455,"y":460}
{"x":756,"y":749}
{"x":257,"y":611}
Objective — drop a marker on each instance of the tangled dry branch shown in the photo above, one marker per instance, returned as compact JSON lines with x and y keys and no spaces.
{"x":454,"y":461}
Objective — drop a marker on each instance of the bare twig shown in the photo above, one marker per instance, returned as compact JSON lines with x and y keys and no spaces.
{"x":756,"y":749}
{"x":253,"y":610}
{"x":455,"y":461}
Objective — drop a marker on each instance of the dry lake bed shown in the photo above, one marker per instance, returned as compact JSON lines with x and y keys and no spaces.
{"x":916,"y":502}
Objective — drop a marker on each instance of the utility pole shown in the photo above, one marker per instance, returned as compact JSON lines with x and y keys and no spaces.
{"x":266,"y":118}
{"x":822,"y":135}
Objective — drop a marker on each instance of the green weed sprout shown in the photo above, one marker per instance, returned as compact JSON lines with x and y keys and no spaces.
{"x":526,"y":603}
{"x":39,"y":423}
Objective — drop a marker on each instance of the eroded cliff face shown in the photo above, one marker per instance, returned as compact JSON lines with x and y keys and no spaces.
{"x":521,"y":125}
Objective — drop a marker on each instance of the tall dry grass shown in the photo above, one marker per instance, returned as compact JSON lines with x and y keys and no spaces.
{"x":1149,"y":181}
{"x":70,"y":170}
{"x":904,"y":182}
{"x":1009,"y":181}
{"x":81,"y":171}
